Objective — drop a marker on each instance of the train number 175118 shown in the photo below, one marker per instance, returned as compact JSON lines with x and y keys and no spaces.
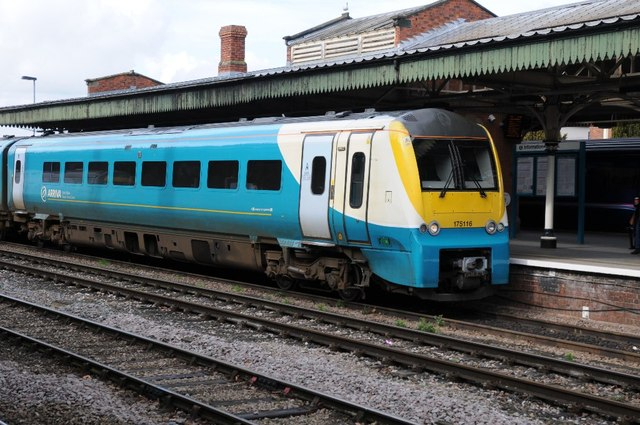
{"x":462,"y":223}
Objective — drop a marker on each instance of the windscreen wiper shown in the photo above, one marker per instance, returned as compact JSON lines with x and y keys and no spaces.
{"x":483,"y":194}
{"x":456,"y":170}
{"x":446,"y":184}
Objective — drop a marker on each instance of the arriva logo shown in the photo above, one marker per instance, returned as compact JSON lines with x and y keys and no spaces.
{"x":50,"y":193}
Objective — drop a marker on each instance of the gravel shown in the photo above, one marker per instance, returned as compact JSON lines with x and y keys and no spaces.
{"x":36,"y":390}
{"x":418,"y":397}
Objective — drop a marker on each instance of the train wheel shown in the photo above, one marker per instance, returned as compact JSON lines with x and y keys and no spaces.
{"x":285,"y":282}
{"x":351,"y":294}
{"x":355,"y":291}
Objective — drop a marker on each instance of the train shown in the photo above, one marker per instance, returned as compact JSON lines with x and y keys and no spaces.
{"x":409,"y":202}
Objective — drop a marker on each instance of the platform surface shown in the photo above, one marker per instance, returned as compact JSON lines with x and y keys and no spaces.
{"x":601,"y":253}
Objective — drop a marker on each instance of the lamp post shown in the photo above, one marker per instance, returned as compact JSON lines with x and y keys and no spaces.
{"x":28,"y":78}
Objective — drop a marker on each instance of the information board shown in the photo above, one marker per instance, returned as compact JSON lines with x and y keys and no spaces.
{"x":525,"y":175}
{"x":566,"y":177}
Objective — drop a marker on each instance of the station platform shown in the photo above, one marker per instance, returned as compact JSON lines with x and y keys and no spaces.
{"x":598,"y":280}
{"x":602,"y":253}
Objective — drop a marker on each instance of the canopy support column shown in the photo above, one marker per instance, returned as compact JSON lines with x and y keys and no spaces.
{"x":551,"y":123}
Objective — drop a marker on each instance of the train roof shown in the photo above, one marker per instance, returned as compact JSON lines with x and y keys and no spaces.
{"x":242,"y":123}
{"x":436,"y":122}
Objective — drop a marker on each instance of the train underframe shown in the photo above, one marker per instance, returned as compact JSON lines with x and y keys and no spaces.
{"x":343,"y":270}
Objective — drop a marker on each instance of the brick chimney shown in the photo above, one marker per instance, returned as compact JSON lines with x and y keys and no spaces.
{"x":232,"y":50}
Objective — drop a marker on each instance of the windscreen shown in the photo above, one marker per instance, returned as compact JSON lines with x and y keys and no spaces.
{"x":455,"y":164}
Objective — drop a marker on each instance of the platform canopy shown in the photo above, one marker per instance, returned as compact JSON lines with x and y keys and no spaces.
{"x":582,"y":57}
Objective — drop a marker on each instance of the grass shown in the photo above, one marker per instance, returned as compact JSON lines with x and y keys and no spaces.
{"x":432,"y":327}
{"x":425,"y":326}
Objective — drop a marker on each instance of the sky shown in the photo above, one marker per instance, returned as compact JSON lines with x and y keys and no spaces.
{"x":64,"y":42}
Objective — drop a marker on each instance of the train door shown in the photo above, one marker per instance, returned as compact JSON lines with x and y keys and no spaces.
{"x":314,"y":186}
{"x":357,"y":188}
{"x":18,"y":178}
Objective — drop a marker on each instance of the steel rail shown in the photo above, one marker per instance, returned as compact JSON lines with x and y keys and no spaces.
{"x":128,"y":381}
{"x":512,"y":356}
{"x":415,"y":336}
{"x":469,"y":373}
{"x":317,"y":399}
{"x":627,"y":356}
{"x":628,"y":339}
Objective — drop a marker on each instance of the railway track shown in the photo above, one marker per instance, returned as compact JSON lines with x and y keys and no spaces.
{"x":204,"y":386}
{"x":616,"y":340}
{"x":403,"y":356}
{"x":572,"y":339}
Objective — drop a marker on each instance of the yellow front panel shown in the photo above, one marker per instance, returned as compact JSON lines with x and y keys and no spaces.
{"x":462,"y":209}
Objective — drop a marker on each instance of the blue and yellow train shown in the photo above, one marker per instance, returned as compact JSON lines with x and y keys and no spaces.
{"x":410,"y":201}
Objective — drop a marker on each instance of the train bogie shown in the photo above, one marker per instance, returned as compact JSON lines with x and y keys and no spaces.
{"x":410,"y":201}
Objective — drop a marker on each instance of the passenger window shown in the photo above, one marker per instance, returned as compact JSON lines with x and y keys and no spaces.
{"x":357,"y":180}
{"x":222,"y":175}
{"x":186,"y":174}
{"x":18,"y":171}
{"x":51,"y":172}
{"x":98,"y":172}
{"x":73,"y":172}
{"x":124,"y":173}
{"x":264,"y":175}
{"x":154,"y":173}
{"x":318,"y":174}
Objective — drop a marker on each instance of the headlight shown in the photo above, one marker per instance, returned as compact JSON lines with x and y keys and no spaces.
{"x":491,"y":227}
{"x":500,"y":227}
{"x":433,"y":228}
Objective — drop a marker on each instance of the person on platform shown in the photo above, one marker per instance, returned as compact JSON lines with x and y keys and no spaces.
{"x":634,"y":227}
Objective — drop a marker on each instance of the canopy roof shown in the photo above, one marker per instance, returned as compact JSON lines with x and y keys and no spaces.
{"x":582,"y":52}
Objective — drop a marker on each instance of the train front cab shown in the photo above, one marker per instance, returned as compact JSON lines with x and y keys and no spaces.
{"x":460,"y":248}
